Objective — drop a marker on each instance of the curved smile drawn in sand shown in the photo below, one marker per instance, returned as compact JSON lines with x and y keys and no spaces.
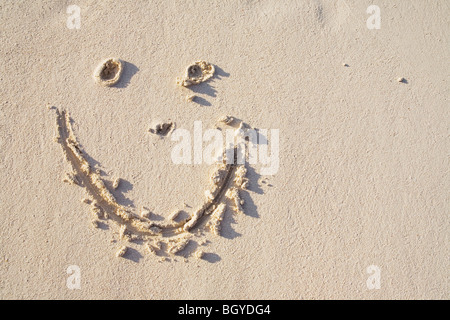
{"x":161,"y":238}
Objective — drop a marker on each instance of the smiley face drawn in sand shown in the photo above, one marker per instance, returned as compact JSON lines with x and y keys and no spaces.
{"x":172,"y":235}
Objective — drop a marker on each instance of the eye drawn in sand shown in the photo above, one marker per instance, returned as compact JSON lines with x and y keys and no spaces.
{"x":196,"y":73}
{"x":108,"y":72}
{"x":161,"y":238}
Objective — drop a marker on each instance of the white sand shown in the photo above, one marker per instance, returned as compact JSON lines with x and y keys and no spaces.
{"x":363,"y":177}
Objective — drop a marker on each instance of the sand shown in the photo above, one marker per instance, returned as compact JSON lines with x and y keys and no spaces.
{"x":357,"y":209}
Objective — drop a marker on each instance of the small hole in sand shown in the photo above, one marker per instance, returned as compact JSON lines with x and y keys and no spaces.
{"x":194,"y":71}
{"x":109,"y":70}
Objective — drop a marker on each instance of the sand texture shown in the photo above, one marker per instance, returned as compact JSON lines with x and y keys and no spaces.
{"x":94,"y":108}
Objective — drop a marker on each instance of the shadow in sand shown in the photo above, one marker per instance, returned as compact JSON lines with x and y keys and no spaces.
{"x":119,"y":193}
{"x":132,"y":255}
{"x":202,"y":101}
{"x":207,"y":88}
{"x":227,"y":230}
{"x":189,"y":249}
{"x":102,"y":225}
{"x":253,"y":178}
{"x":211,"y":257}
{"x":219,"y":74}
{"x":129,"y":70}
{"x":204,"y":88}
{"x":250,"y":209}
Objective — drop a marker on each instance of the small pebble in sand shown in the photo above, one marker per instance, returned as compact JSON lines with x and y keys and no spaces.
{"x":190,"y":98}
{"x":226,"y":119}
{"x":199,"y":254}
{"x":145,"y":213}
{"x":121,"y":252}
{"x":174,"y":215}
{"x":150,"y":248}
{"x":116,"y":183}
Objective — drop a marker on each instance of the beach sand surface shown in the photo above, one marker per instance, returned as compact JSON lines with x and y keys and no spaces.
{"x":362,"y":185}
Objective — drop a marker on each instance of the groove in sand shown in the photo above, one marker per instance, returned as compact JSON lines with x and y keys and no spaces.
{"x":139,"y":226}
